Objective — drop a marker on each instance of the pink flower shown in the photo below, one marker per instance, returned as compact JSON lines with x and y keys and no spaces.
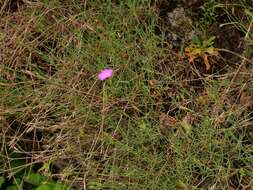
{"x":105,"y":74}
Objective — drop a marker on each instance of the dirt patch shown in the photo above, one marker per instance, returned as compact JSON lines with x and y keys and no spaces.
{"x":228,"y":38}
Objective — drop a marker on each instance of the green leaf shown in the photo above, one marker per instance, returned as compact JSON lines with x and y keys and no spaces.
{"x":2,"y":180}
{"x":210,"y":41}
{"x":35,"y":179}
{"x":250,"y":13}
{"x":142,"y":124}
{"x":17,"y":182}
{"x":45,"y":167}
{"x":59,"y":186}
{"x":53,"y":186}
{"x":94,"y":185}
{"x":186,"y":126}
{"x":17,"y":164}
{"x":48,"y":186}
{"x":12,"y":187}
{"x":181,"y":184}
{"x":195,"y":40}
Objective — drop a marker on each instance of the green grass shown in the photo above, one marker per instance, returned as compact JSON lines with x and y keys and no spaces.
{"x":109,"y":134}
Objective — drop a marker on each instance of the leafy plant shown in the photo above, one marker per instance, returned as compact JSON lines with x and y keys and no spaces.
{"x":2,"y":181}
{"x":19,"y":174}
{"x":201,"y":49}
{"x":38,"y":181}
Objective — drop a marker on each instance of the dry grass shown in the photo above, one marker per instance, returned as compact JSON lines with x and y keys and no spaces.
{"x":159,"y":123}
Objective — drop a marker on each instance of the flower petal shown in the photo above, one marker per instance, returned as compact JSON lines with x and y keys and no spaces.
{"x":105,"y":74}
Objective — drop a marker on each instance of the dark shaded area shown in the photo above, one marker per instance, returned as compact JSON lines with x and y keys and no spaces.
{"x":45,"y":67}
{"x":165,"y":6}
{"x":227,"y":37}
{"x":27,"y":139}
{"x":11,"y":5}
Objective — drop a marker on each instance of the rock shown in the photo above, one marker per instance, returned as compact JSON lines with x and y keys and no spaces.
{"x":180,"y":25}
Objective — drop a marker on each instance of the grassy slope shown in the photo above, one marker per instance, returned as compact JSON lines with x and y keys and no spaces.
{"x":114,"y":134}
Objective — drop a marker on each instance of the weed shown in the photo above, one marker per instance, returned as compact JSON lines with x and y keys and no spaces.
{"x":201,"y":49}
